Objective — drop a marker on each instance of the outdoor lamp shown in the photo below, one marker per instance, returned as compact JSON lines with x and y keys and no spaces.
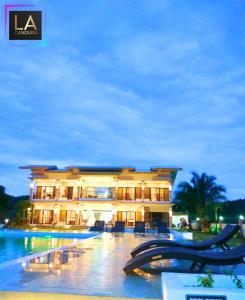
{"x":221,"y":218}
{"x":6,"y":221}
{"x":241,"y":217}
{"x":198,"y":219}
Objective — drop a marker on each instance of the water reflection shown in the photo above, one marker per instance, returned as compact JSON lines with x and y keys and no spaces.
{"x":53,"y":262}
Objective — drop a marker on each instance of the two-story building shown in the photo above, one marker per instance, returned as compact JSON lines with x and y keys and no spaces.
{"x":80,"y":195}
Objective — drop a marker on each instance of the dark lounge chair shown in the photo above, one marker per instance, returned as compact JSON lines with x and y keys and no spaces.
{"x":139,"y":227}
{"x":162,"y":227}
{"x":98,"y":226}
{"x":119,"y":226}
{"x":219,"y":240}
{"x":199,"y":258}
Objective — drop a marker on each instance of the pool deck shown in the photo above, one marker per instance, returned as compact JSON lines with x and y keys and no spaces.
{"x":94,"y":271}
{"x":55,"y":296}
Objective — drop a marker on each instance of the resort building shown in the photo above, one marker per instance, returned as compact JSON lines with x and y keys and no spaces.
{"x":80,"y":195}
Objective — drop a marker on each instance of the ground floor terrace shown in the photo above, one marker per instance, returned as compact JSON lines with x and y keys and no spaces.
{"x":92,"y":267}
{"x":86,"y":214}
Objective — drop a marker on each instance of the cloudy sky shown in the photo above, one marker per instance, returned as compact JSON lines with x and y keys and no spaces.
{"x":139,"y":83}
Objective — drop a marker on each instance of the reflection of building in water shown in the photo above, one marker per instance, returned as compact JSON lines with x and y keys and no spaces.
{"x":52,"y":262}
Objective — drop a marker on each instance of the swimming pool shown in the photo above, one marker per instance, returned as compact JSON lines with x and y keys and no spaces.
{"x":18,"y":243}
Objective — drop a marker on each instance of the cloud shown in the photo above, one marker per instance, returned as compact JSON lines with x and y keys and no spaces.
{"x":129,"y":92}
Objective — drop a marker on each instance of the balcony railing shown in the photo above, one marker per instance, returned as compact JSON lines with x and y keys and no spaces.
{"x":140,"y":196}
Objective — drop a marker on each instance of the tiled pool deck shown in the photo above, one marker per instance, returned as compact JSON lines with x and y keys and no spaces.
{"x":95,"y":269}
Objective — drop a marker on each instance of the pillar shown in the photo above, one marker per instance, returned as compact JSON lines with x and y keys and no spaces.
{"x":170,"y":211}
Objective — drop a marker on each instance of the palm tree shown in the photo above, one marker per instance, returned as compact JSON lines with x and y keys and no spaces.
{"x":199,"y":196}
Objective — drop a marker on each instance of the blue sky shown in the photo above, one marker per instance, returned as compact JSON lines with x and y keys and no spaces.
{"x":136,"y":83}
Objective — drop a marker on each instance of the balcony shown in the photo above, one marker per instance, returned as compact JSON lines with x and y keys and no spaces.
{"x":147,"y":195}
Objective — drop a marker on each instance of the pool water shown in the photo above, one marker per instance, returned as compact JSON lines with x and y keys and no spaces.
{"x":17,"y":243}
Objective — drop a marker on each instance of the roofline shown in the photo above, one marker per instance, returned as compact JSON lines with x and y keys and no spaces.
{"x":39,"y":167}
{"x":97,"y":168}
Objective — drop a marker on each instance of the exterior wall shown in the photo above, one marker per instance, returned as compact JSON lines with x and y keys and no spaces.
{"x":67,"y":198}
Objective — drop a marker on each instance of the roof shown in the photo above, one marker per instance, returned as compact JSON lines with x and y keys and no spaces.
{"x":98,"y":169}
{"x":39,"y":171}
{"x":39,"y":167}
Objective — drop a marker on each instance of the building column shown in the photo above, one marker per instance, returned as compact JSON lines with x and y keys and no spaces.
{"x":55,"y":216}
{"x":114,"y":214}
{"x":143,"y":214}
{"x":143,"y":190}
{"x":78,"y":192}
{"x":77,"y":215}
{"x":115,"y":188}
{"x":57,"y":190}
{"x":170,"y":216}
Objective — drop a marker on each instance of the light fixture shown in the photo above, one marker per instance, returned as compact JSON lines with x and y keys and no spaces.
{"x":221,"y":218}
{"x":198,"y":219}
{"x":6,"y":221}
{"x":241,"y":217}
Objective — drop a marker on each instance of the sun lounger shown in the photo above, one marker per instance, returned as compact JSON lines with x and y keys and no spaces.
{"x":98,"y":226}
{"x":139,"y":227}
{"x":119,"y":226}
{"x":219,"y":240}
{"x":199,"y":259}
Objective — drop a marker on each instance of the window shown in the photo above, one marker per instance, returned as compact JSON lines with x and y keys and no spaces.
{"x":165,"y":194}
{"x":120,"y":193}
{"x":138,"y":193}
{"x":100,"y":192}
{"x":127,"y":216}
{"x":69,"y":192}
{"x":48,"y":216}
{"x":125,"y":193}
{"x":160,"y":194}
{"x":147,"y":193}
{"x":45,"y":192}
{"x":63,"y":216}
{"x":39,"y":192}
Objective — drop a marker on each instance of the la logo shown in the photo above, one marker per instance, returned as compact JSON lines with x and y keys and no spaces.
{"x":29,"y":24}
{"x":25,"y":25}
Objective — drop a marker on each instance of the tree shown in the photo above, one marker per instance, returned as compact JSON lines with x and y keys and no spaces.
{"x":5,"y":203}
{"x":199,"y":196}
{"x":23,"y":210}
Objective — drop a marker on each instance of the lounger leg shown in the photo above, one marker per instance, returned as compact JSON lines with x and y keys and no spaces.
{"x":193,"y":265}
{"x":201,"y":267}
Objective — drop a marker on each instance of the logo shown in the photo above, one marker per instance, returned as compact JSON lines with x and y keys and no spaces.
{"x":25,"y":25}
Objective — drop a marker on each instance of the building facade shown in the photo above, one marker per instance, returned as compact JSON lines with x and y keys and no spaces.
{"x":80,"y":195}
